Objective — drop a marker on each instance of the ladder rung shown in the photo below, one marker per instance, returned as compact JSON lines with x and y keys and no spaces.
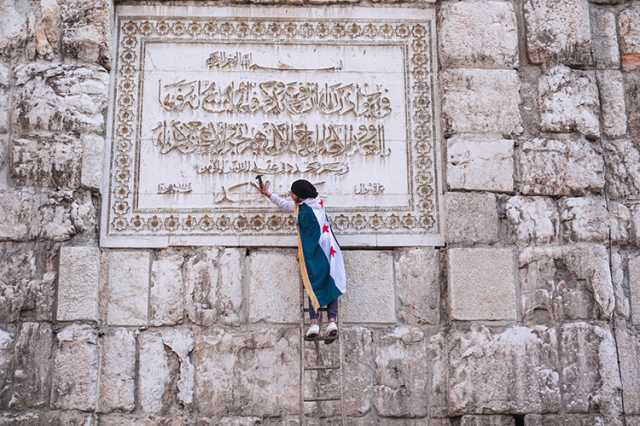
{"x":323,"y":398}
{"x":321,"y":367}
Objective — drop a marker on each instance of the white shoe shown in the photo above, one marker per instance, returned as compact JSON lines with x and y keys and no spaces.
{"x":312,"y":332}
{"x":331,"y":331}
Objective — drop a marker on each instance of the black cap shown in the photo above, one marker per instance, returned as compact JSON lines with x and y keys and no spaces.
{"x":304,"y":189}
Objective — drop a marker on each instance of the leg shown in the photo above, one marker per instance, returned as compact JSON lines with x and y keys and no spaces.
{"x":313,"y":315}
{"x":333,"y":310}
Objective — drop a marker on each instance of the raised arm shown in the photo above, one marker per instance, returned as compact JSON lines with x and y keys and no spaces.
{"x":281,"y":202}
{"x":274,"y":198}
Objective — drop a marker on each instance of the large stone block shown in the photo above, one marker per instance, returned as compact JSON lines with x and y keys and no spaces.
{"x":51,"y":160}
{"x":48,"y":215}
{"x":614,"y":111}
{"x":417,"y":277}
{"x":213,"y":287}
{"x":632,"y":92}
{"x":166,"y":298}
{"x":60,"y":97}
{"x":520,"y":376}
{"x":75,"y":371}
{"x":27,"y":286}
{"x":629,"y":30}
{"x":584,"y":219}
{"x":370,"y":295}
{"x":479,"y":163}
{"x":49,"y":418}
{"x":566,"y":283}
{"x":261,"y":366}
{"x":628,"y":345}
{"x":128,"y":287}
{"x":92,"y":161}
{"x":634,"y":288}
{"x":86,"y":30}
{"x":560,"y":167}
{"x":569,"y":101}
{"x":32,"y":369}
{"x":401,"y":388}
{"x":5,"y":101}
{"x":472,"y":217}
{"x":166,"y":371}
{"x":117,"y":372}
{"x":606,"y":52}
{"x":558,"y":31}
{"x":78,"y":283}
{"x":475,"y":37}
{"x":532,"y":219}
{"x":7,"y":339}
{"x":482,"y":283}
{"x":274,"y":286}
{"x":481,"y":101}
{"x":591,"y":379}
{"x":622,"y":158}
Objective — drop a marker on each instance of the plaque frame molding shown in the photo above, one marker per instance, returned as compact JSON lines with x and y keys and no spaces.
{"x":121,"y":228}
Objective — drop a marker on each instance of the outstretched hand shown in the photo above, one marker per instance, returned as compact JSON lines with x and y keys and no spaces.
{"x":264,"y":189}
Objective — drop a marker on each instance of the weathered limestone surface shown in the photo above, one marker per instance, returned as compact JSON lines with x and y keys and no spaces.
{"x":75,"y":368}
{"x":481,"y":101}
{"x":262,"y":367}
{"x":634,"y":288}
{"x":417,"y":278}
{"x":117,"y":371}
{"x":568,"y":282}
{"x":32,"y":369}
{"x":60,"y":97}
{"x":629,"y":30}
{"x":487,"y":421}
{"x":370,"y":293}
{"x":605,"y":38}
{"x":7,"y":339}
{"x":623,"y":169}
{"x":27,"y":283}
{"x":532,"y":219}
{"x":401,"y":388}
{"x":584,"y":219}
{"x":480,"y":163}
{"x":166,"y":290}
{"x":92,"y":158}
{"x":476,"y":35}
{"x":128,"y":287}
{"x":560,"y":167}
{"x":558,"y":31}
{"x":569,"y":101}
{"x":78,"y":283}
{"x":628,"y":341}
{"x":274,"y":288}
{"x":493,"y":372}
{"x":482,"y":283}
{"x":472,"y":217}
{"x":614,"y":112}
{"x":213,"y":288}
{"x":591,"y":379}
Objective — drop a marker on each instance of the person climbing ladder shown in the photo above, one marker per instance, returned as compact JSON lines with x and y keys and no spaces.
{"x":319,"y":255}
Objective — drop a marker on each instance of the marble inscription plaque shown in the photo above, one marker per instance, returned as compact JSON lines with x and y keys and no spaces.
{"x":206,"y":98}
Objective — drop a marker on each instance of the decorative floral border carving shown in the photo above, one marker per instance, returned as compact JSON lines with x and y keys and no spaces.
{"x":415,"y":36}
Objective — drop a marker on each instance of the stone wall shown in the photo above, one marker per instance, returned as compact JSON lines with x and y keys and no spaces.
{"x":530,"y":315}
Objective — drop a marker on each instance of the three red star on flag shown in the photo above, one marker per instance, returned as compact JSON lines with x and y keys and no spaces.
{"x":325,"y":228}
{"x":332,"y":251}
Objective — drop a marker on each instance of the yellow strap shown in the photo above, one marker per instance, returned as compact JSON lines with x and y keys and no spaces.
{"x":303,"y":266}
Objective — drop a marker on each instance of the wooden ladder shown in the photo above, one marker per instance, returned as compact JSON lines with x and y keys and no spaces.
{"x":339,"y":397}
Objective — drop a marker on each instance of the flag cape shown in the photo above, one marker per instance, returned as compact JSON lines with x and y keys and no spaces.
{"x":320,"y":258}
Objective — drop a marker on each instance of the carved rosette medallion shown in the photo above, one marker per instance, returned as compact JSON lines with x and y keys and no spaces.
{"x":248,"y":112}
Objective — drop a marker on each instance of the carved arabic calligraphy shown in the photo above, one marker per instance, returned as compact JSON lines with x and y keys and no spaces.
{"x":174,"y":188}
{"x":269,"y":167}
{"x":270,"y":139}
{"x":368,"y":189}
{"x":275,"y":97}
{"x":226,"y":61}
